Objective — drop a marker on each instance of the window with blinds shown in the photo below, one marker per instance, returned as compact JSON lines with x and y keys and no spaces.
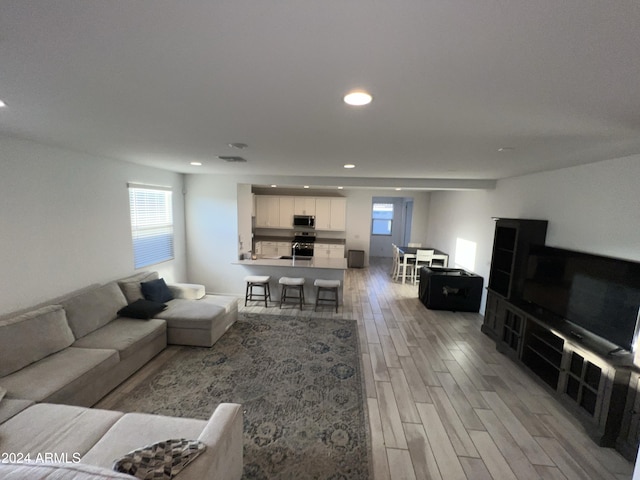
{"x":151,"y":224}
{"x":381,"y":218}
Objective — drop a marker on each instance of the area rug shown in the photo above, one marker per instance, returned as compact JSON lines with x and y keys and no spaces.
{"x":300,"y":385}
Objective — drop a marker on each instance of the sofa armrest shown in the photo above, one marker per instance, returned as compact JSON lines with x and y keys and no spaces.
{"x":187,"y":291}
{"x":223,"y":437}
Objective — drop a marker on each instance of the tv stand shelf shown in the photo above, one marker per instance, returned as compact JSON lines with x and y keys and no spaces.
{"x":579,"y":372}
{"x":533,"y":291}
{"x":574,"y":336}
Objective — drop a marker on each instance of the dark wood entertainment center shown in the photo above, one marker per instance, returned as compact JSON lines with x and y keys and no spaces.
{"x":601,"y":389}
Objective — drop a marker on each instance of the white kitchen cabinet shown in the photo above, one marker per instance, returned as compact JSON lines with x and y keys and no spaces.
{"x":338,"y":214}
{"x":336,"y":251}
{"x":283,"y":248}
{"x":274,"y":211}
{"x":331,"y":214}
{"x":267,"y":211}
{"x":321,"y":250}
{"x":305,"y":206}
{"x":328,"y":250}
{"x":323,"y":213}
{"x":286,"y":212}
{"x":269,"y":249}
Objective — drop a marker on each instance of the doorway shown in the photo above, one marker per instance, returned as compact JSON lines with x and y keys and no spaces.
{"x":390,"y":223}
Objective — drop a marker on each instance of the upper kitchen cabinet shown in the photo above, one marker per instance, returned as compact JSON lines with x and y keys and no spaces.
{"x":304,"y":206}
{"x":267,"y":211}
{"x":331,"y":214}
{"x":287,"y":205}
{"x":273,"y":211}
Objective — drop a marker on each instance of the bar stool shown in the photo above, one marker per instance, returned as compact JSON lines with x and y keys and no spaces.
{"x":257,"y":281}
{"x":295,"y":284}
{"x":329,"y":286}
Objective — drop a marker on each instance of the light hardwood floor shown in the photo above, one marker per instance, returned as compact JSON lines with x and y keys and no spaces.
{"x":442,"y":402}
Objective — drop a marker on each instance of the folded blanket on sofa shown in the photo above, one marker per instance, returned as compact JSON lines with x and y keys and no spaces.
{"x":160,"y":461}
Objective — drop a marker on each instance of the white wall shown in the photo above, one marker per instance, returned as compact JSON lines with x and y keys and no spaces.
{"x":380,"y":245}
{"x":593,"y":208}
{"x":64,"y":221}
{"x":212,"y":232}
{"x":212,"y":207}
{"x":359,"y":204}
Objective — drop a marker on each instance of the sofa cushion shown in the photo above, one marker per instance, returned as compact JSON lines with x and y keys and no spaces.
{"x":12,"y":406}
{"x":130,"y":286}
{"x":29,"y":337}
{"x":66,"y":471}
{"x":60,"y":429}
{"x":125,"y":335}
{"x":156,"y":291}
{"x":94,"y":308}
{"x":142,"y":309}
{"x":188,"y":291}
{"x":58,"y":376}
{"x":135,"y":430}
{"x":190,"y":313}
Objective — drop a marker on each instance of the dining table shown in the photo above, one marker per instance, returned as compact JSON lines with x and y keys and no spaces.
{"x":408,"y":253}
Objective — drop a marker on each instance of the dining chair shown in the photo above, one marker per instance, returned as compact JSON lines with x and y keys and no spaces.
{"x":406,"y":266}
{"x":439,"y":262}
{"x":415,"y":245}
{"x":423,"y":257}
{"x":395,"y":271}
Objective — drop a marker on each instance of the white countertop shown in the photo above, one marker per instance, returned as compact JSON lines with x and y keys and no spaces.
{"x":327,"y":263}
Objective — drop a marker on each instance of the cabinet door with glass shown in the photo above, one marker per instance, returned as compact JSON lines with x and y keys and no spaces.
{"x":512,"y":330}
{"x":493,"y":316}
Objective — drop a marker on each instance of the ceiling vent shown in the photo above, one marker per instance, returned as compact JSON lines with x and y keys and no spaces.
{"x":231,"y":158}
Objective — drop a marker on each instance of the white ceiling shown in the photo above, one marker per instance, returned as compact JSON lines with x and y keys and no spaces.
{"x":166,"y":82}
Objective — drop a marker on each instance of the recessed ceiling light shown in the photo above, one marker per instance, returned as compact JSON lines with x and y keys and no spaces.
{"x":398,"y":189}
{"x":340,"y":188}
{"x":506,"y":149}
{"x":306,"y":186}
{"x":2,"y":104}
{"x":349,"y":165}
{"x":358,"y":98}
{"x":238,"y":145}
{"x":196,"y":164}
{"x":274,"y":186}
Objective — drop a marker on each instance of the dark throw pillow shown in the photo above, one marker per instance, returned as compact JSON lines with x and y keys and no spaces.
{"x":143,"y":309}
{"x":156,"y":291}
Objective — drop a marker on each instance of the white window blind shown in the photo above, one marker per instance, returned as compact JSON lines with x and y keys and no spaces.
{"x":382,"y":219}
{"x":151,"y":224}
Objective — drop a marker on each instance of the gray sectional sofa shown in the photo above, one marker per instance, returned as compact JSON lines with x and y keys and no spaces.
{"x":62,"y":356}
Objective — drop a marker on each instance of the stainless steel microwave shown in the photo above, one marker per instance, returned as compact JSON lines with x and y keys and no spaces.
{"x":308,"y":221}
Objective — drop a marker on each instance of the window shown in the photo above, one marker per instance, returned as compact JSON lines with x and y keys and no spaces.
{"x":382,"y":219}
{"x":151,"y":224}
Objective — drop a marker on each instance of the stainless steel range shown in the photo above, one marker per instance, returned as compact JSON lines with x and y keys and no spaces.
{"x":302,"y":244}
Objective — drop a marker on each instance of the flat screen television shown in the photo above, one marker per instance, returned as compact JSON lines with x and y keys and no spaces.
{"x":601,"y":295}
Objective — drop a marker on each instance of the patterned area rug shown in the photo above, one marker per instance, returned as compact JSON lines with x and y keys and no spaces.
{"x":299,"y":381}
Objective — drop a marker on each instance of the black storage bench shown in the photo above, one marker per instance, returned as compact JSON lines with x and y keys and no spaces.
{"x":450,"y":289}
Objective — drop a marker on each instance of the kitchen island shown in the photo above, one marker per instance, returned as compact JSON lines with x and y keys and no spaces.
{"x":308,"y":268}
